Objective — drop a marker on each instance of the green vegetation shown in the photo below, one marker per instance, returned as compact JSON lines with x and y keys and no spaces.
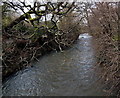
{"x":25,"y":38}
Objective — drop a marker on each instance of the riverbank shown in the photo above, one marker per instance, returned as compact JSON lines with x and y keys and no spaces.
{"x":107,"y":51}
{"x":21,"y":52}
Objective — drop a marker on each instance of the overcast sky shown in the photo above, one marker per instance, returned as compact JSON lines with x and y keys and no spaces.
{"x":30,"y":2}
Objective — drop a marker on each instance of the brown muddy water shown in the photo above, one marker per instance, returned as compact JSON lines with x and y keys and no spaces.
{"x":68,"y":73}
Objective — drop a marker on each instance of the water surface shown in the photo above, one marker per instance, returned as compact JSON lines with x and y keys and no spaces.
{"x":68,"y":73}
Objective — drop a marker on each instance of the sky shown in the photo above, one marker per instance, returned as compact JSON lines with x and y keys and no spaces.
{"x":30,"y":2}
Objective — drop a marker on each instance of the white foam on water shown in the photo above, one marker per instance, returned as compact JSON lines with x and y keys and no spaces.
{"x":85,"y":35}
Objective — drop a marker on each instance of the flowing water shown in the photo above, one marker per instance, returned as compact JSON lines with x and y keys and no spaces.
{"x":68,"y":73}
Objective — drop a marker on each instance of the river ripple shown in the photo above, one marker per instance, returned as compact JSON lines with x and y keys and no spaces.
{"x":68,"y":73}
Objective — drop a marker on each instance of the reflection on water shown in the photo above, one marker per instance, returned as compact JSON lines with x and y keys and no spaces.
{"x":85,"y":35}
{"x":68,"y":73}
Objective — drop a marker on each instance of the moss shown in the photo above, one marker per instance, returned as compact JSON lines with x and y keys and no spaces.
{"x":115,"y":38}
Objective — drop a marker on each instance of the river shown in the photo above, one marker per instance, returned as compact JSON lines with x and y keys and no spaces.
{"x":69,"y":73}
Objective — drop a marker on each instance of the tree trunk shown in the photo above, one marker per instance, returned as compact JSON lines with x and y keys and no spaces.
{"x":15,"y":22}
